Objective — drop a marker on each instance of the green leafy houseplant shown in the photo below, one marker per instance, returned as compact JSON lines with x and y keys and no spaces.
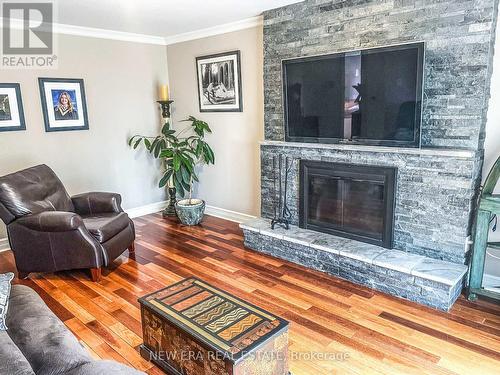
{"x":180,"y":152}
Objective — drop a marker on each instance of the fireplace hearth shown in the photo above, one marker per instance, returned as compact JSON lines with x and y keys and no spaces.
{"x":348,"y":200}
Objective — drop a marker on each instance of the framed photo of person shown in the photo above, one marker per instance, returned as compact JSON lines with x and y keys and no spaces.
{"x":63,"y":104}
{"x":11,"y":107}
{"x":219,"y":82}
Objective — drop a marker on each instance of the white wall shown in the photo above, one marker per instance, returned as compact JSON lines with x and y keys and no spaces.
{"x":234,"y":182}
{"x":492,"y":148}
{"x":492,"y":142}
{"x":121,"y":83}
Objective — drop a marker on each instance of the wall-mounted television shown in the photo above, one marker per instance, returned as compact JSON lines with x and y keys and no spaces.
{"x":372,"y":96}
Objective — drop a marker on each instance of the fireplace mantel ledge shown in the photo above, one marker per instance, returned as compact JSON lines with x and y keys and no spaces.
{"x":453,"y":153}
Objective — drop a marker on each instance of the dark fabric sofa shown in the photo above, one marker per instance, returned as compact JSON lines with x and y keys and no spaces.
{"x":37,"y":342}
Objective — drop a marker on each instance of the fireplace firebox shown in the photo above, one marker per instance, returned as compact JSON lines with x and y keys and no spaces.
{"x":348,"y":200}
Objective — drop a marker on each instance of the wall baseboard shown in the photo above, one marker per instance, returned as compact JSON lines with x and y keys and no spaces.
{"x":157,"y":207}
{"x":209,"y":210}
{"x":147,"y":209}
{"x":227,"y":214}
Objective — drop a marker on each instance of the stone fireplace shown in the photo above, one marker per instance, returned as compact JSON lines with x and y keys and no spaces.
{"x":434,"y":190}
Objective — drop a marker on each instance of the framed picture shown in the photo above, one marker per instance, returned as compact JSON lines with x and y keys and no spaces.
{"x":63,"y":104}
{"x":219,"y":82}
{"x":11,"y":107}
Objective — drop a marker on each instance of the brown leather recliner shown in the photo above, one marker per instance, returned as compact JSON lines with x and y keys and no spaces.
{"x":50,"y":231}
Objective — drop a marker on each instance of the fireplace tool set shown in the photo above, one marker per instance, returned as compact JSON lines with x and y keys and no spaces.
{"x":282,"y":165}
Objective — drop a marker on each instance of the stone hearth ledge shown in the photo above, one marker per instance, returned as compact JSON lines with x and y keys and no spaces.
{"x":452,"y":153}
{"x":432,"y":282}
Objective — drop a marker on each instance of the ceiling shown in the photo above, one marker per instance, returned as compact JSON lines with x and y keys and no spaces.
{"x":162,"y":18}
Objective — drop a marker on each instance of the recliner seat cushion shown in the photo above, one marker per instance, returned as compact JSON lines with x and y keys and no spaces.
{"x":107,"y":225}
{"x":44,"y":340}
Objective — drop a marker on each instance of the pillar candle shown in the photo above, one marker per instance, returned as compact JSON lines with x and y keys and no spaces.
{"x":163,"y":92}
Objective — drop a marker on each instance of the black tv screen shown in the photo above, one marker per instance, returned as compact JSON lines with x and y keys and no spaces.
{"x":369,"y":97}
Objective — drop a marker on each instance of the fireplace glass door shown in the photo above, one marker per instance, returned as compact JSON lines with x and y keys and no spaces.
{"x":348,"y":200}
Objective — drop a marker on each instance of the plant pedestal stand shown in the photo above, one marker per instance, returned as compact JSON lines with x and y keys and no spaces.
{"x":169,"y":211}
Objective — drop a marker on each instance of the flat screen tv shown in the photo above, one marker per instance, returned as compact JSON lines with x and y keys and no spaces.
{"x":370,"y":97}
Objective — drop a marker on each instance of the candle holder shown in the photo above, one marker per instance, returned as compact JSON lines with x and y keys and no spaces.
{"x":165,"y":107}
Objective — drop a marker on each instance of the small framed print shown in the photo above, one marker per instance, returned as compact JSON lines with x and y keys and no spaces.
{"x":63,"y":104}
{"x":219,"y":82}
{"x":11,"y":107}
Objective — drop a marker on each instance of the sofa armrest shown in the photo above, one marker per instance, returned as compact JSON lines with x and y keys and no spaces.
{"x":97,"y":202}
{"x":52,"y":221}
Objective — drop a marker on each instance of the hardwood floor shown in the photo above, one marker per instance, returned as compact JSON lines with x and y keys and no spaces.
{"x":367,"y":332}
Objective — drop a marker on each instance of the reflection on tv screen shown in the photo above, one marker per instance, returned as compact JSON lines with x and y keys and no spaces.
{"x":370,"y":96}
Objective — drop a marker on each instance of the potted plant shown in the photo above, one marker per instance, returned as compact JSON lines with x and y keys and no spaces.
{"x":180,"y":152}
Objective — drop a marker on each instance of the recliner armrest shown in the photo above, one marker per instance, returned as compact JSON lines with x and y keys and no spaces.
{"x":97,"y":202}
{"x":52,"y":221}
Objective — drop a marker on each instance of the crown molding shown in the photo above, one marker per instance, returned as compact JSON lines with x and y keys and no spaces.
{"x":215,"y":30}
{"x":107,"y":34}
{"x":93,"y":32}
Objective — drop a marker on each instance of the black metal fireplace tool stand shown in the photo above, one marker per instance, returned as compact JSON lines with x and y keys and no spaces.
{"x":282,"y":165}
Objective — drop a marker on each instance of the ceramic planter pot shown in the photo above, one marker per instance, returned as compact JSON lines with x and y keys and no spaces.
{"x":190,"y":211}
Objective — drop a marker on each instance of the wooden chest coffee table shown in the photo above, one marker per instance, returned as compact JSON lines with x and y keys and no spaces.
{"x":193,"y":328}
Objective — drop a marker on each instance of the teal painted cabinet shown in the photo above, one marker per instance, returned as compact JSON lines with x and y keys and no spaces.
{"x":489,"y":205}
